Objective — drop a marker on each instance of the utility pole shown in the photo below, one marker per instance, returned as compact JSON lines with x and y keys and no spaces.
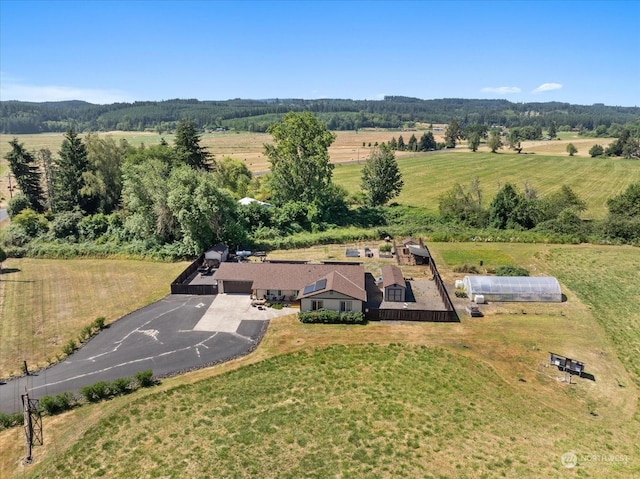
{"x":10,"y":186}
{"x":32,"y":425}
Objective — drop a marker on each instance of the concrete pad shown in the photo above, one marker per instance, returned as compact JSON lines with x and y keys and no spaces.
{"x":227,"y":311}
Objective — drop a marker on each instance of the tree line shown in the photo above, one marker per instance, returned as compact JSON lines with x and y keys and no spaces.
{"x":176,"y":200}
{"x":18,"y":117}
{"x":102,"y":196}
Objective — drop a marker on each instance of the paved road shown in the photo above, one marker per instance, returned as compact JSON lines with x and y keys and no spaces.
{"x":160,"y":337}
{"x":3,"y":214}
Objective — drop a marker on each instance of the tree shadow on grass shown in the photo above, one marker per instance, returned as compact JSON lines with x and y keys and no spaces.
{"x":9,"y":270}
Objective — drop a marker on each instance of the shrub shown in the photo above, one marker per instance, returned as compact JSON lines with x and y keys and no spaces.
{"x":466,"y":268}
{"x":10,"y":420}
{"x":511,"y":270}
{"x":65,"y":225}
{"x":17,"y":204}
{"x":145,"y":378}
{"x":69,"y":347}
{"x":332,"y":317}
{"x":120,"y":386}
{"x":98,"y":323}
{"x":96,"y":392}
{"x":53,"y":405}
{"x":385,"y":248}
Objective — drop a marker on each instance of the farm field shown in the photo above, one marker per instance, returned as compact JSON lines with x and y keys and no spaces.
{"x":45,"y":303}
{"x":472,"y":399}
{"x":249,"y":146}
{"x":427,"y":176}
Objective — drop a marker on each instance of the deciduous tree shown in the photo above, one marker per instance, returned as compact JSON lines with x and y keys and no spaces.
{"x":452,"y":134}
{"x":596,"y":150}
{"x":299,"y":158}
{"x":381,"y":177}
{"x":571,"y":149}
{"x":495,"y":142}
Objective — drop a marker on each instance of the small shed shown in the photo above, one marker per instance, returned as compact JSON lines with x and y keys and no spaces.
{"x":395,"y":288}
{"x":514,"y":288}
{"x":420,"y":254}
{"x":216,"y":254}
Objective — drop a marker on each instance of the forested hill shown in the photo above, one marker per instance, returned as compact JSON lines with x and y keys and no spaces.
{"x":256,"y":115}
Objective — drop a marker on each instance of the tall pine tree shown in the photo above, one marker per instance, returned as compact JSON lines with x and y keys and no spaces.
{"x":25,"y":170}
{"x":68,"y":178}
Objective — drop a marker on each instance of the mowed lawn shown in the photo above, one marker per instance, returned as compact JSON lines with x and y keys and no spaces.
{"x":45,"y":303}
{"x":427,"y":176}
{"x":474,"y":399}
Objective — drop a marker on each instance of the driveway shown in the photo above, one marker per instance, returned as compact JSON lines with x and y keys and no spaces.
{"x":174,"y":335}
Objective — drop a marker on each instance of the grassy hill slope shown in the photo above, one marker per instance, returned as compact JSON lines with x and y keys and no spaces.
{"x":391,"y":400}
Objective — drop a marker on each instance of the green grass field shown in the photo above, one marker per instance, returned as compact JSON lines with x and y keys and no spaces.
{"x":391,"y":400}
{"x":427,"y":176}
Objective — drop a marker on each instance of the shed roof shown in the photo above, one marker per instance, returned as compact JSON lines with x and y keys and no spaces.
{"x":418,"y":250}
{"x":392,"y":276}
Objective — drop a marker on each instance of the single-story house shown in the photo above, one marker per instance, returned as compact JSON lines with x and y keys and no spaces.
{"x":393,"y":284}
{"x":317,"y":286}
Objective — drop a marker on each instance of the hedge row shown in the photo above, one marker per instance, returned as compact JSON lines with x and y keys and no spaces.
{"x":332,"y":317}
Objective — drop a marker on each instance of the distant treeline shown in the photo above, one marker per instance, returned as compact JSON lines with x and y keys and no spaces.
{"x":17,"y":117}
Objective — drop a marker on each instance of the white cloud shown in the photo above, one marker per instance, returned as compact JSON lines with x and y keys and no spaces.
{"x":14,"y":91}
{"x":501,"y":89}
{"x":547,"y":87}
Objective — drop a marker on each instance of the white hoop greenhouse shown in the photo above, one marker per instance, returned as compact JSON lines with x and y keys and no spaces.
{"x":513,"y":288}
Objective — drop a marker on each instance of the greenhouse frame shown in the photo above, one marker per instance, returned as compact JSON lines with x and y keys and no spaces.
{"x":513,"y":288}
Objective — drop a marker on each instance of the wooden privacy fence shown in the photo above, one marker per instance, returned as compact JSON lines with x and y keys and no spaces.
{"x":180,"y":285}
{"x":411,"y":315}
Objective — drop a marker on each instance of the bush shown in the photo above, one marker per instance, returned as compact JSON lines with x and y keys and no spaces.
{"x":98,"y":323}
{"x":466,"y":268}
{"x":17,"y":204}
{"x":10,"y":420}
{"x":53,"y":405}
{"x":96,"y":392}
{"x":69,"y":347}
{"x":120,"y":386}
{"x":511,"y":270}
{"x":332,"y":317}
{"x":145,"y":378}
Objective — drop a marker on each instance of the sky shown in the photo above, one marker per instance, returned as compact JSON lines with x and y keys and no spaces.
{"x":580,"y":52}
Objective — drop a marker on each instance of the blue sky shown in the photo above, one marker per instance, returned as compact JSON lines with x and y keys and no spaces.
{"x":580,"y":52}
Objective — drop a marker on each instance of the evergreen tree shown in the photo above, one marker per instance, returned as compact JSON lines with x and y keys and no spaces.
{"x":187,"y":147}
{"x":413,"y":143}
{"x":552,"y":130}
{"x":401,"y":145}
{"x":428,"y":142}
{"x":26,"y":172}
{"x":68,"y":178}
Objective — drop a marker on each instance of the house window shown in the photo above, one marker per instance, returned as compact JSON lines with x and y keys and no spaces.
{"x":394,"y":294}
{"x":345,"y":306}
{"x":316,"y":304}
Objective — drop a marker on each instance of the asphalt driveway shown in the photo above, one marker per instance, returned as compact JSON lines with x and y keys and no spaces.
{"x":174,"y":335}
